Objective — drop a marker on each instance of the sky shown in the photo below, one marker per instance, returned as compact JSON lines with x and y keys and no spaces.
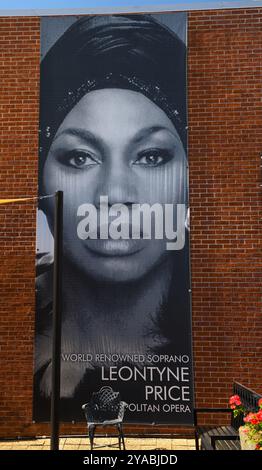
{"x":48,"y":4}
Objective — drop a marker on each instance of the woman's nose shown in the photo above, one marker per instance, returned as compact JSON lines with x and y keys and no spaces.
{"x":117,"y":183}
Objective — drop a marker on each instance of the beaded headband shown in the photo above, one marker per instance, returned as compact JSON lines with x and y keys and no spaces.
{"x":110,"y":80}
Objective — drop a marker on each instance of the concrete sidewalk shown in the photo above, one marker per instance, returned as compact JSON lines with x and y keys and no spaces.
{"x":82,"y":443}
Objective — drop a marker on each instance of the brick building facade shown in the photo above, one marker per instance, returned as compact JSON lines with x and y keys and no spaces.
{"x":225,"y":144}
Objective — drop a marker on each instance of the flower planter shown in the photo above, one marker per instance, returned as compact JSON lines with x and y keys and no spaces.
{"x":250,"y":433}
{"x":245,"y":442}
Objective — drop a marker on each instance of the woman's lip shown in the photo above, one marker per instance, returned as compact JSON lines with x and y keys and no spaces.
{"x":133,"y":231}
{"x":115,"y":247}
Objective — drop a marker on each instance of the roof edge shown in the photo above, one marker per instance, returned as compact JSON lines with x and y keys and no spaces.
{"x":212,"y":5}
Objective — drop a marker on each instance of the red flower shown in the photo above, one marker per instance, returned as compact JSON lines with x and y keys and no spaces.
{"x":235,"y":400}
{"x":252,"y":418}
{"x":248,"y":418}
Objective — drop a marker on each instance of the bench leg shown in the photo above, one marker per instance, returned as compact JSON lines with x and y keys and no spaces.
{"x":91,"y":434}
{"x":121,"y":439}
{"x":196,"y":440}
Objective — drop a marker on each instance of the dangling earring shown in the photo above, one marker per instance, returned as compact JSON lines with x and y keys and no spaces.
{"x":187,"y":219}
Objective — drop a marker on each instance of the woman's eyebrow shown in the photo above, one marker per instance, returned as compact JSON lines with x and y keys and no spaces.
{"x":147,"y":131}
{"x":84,"y":134}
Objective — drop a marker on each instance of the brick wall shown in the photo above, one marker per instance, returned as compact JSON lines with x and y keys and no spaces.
{"x":225,"y":142}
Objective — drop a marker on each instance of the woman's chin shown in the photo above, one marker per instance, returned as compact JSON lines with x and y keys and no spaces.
{"x":117,"y":270}
{"x":118,"y":265}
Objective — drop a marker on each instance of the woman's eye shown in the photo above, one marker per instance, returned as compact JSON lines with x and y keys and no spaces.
{"x":79,"y":159}
{"x":154,"y":157}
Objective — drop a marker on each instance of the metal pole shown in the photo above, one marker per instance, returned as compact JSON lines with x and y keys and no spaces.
{"x":57,"y":323}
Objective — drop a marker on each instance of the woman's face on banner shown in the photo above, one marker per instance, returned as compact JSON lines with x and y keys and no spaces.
{"x":119,"y":144}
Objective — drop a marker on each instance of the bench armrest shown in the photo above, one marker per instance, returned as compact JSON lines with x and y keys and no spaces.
{"x":84,"y":406}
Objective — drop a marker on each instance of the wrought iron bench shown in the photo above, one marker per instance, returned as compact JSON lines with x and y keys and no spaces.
{"x":105,"y":409}
{"x":225,"y":437}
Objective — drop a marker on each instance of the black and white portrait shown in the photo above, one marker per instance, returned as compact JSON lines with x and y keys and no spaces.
{"x":113,"y":138}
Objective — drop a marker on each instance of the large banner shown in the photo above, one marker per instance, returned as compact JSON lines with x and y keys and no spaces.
{"x":113,"y":138}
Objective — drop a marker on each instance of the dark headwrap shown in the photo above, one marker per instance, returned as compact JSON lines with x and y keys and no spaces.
{"x":132,"y":52}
